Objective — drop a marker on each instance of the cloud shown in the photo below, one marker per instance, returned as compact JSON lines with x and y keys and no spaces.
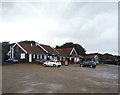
{"x":93,"y":25}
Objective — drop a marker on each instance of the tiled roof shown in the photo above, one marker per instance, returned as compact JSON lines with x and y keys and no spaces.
{"x":32,"y":49}
{"x":49,"y":49}
{"x":89,"y":56}
{"x":64,"y":51}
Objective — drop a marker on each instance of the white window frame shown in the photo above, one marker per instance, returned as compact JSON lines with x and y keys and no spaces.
{"x":34,"y":56}
{"x":63,"y":58}
{"x":75,"y":59}
{"x":45,"y":57}
{"x":78,"y":59}
{"x":60,"y":58}
{"x":22,"y":56}
{"x":37,"y":56}
{"x":55,"y":57}
{"x":51,"y":57}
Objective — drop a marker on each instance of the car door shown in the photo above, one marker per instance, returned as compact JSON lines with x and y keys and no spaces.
{"x":51,"y":63}
{"x":47,"y":63}
{"x":87,"y":63}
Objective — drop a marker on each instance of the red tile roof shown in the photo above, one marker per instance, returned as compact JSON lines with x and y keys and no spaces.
{"x":64,"y":51}
{"x":89,"y":56}
{"x":32,"y":49}
{"x":49,"y":49}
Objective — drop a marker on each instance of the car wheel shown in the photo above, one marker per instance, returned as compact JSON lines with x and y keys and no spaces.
{"x":94,"y":66}
{"x":59,"y":66}
{"x":81,"y":65}
{"x":54,"y":65}
{"x":45,"y":65}
{"x":91,"y":66}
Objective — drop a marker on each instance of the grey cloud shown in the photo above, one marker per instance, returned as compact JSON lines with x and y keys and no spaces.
{"x":93,"y":25}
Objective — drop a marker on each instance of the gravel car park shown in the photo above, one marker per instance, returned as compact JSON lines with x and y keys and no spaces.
{"x":33,"y":78}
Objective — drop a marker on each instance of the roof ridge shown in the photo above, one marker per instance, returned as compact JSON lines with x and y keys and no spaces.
{"x":43,"y":44}
{"x":66,"y":48}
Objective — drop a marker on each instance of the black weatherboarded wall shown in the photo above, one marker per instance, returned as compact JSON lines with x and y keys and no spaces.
{"x":17,"y":54}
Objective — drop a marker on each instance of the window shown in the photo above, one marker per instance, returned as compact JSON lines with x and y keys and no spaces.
{"x":50,"y":57}
{"x":63,"y":58}
{"x":55,"y":57}
{"x":22,"y":56}
{"x":45,"y":57}
{"x":40,"y":56}
{"x":60,"y":58}
{"x":75,"y":59}
{"x":78,"y":59}
{"x":37,"y":56}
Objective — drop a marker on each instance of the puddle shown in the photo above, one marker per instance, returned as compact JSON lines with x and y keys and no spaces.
{"x":83,"y":89}
{"x":101,"y":83}
{"x":28,"y":90}
{"x":105,"y":75}
{"x":31,"y":89}
{"x":51,"y":88}
{"x":36,"y":83}
{"x":95,"y":82}
{"x":54,"y":87}
{"x":50,"y":92}
{"x":27,"y":77}
{"x":24,"y":91}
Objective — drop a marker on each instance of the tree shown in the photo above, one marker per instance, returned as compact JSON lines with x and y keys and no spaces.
{"x":5,"y":49}
{"x":57,"y":46}
{"x":80,"y":50}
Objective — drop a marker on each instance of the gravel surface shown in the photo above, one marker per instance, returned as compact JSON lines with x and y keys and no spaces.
{"x":33,"y":78}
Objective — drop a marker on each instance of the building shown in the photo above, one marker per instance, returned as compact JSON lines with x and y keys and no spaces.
{"x":69,"y":54}
{"x":29,"y":52}
{"x":25,"y":52}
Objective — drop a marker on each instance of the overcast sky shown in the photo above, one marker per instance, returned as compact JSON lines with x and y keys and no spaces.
{"x":93,"y":25}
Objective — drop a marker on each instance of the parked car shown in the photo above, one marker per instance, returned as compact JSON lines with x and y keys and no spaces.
{"x":54,"y":63}
{"x":40,"y":61}
{"x":66,"y":63}
{"x":11,"y":60}
{"x":88,"y":62}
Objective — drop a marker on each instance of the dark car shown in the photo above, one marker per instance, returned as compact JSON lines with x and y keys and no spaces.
{"x":11,"y":60}
{"x":40,"y":61}
{"x":88,"y":62}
